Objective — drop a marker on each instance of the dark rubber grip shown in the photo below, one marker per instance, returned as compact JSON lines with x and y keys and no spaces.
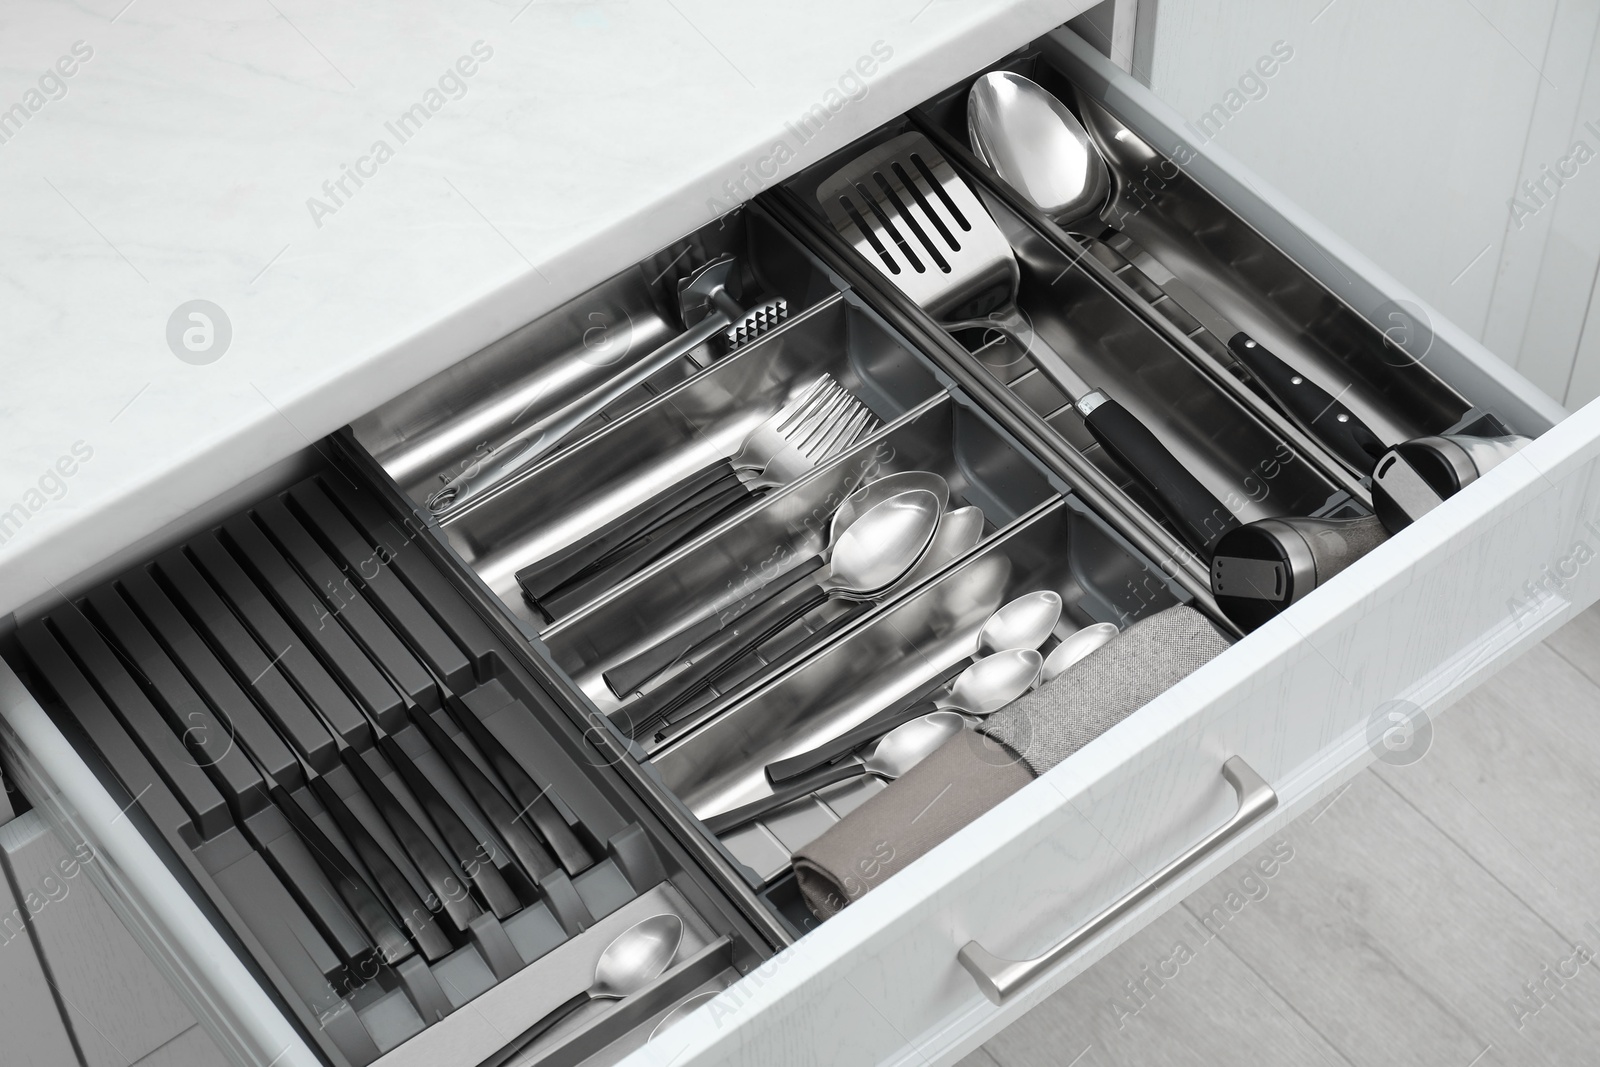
{"x":784,"y":794}
{"x":541,"y":579}
{"x":627,"y":676}
{"x":1200,"y":517}
{"x":1317,"y":411}
{"x":713,"y":657}
{"x":707,"y":510}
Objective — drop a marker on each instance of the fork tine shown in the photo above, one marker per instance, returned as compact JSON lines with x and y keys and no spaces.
{"x":843,"y":432}
{"x":798,"y":407}
{"x":823,"y":423}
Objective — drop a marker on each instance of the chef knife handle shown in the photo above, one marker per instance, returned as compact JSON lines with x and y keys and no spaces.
{"x":1317,"y":411}
{"x":1199,"y":516}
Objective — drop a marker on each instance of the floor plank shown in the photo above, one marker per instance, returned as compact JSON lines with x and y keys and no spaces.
{"x":120,"y":1007}
{"x":1168,"y":997}
{"x":1400,"y":949}
{"x":1513,"y":778}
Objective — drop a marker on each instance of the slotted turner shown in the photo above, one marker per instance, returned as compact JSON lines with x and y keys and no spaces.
{"x":906,"y":211}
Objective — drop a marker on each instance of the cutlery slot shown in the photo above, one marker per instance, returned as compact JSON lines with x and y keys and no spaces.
{"x":946,"y":436}
{"x":1252,"y":471}
{"x":434,"y":430}
{"x":386,"y":814}
{"x":566,"y":501}
{"x":895,"y":654}
{"x":1381,"y":372}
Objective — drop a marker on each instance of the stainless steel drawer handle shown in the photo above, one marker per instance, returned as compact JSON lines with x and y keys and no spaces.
{"x":999,"y":978}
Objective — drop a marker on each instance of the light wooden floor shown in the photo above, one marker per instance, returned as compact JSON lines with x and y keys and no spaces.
{"x":1440,"y":914}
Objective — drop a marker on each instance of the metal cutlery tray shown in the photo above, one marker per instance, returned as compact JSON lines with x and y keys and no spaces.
{"x":897,"y":652}
{"x":567,"y":497}
{"x":1235,"y":269}
{"x":1041,"y":530}
{"x":1255,"y":466}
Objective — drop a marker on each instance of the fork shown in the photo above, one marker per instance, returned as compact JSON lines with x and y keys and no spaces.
{"x":821,"y":421}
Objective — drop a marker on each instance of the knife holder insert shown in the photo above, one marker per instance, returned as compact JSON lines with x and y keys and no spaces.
{"x":306,"y":716}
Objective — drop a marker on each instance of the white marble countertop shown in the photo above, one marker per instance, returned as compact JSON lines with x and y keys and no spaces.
{"x":155,"y":152}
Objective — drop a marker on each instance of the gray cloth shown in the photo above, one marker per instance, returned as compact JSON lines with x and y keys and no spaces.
{"x":960,"y":780}
{"x":1102,"y":689}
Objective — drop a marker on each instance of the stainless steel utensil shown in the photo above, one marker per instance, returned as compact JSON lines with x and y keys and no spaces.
{"x":708,"y":308}
{"x":871,"y":554}
{"x":822,"y":420}
{"x":1074,"y":647}
{"x":635,"y":958}
{"x":983,"y":688}
{"x":897,"y":752}
{"x":1036,"y":145}
{"x":1025,"y":622}
{"x":630,"y":674}
{"x":908,"y":213}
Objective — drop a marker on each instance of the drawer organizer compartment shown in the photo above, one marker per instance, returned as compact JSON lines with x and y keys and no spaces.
{"x":1207,"y":275}
{"x":1033,"y":317}
{"x":720,"y":629}
{"x":820,"y":383}
{"x":390,"y":818}
{"x":899,"y":655}
{"x":985,"y":485}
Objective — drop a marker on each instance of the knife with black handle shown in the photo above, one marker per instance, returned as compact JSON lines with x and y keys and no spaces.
{"x":1317,"y":411}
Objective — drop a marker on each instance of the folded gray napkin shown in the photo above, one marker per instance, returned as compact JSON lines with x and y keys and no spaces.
{"x":974,"y":771}
{"x":1102,"y":689}
{"x":957,"y":782}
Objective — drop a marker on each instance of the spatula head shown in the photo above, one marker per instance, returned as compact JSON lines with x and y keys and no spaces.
{"x":911,"y":216}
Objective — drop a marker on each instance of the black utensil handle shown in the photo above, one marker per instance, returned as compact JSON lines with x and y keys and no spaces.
{"x":787,"y":793}
{"x":622,"y":564}
{"x":627,"y":676}
{"x":449,"y":889}
{"x":415,"y":918}
{"x":472,"y":857}
{"x":533,"y":802}
{"x":526,"y":850}
{"x":1317,"y":411}
{"x":1200,"y":517}
{"x":801,"y":648}
{"x":536,"y":1031}
{"x":825,"y":753}
{"x":548,"y":574}
{"x":712,"y":657}
{"x":376,"y":923}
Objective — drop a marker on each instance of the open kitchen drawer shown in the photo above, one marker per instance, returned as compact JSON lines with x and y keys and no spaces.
{"x":1299,"y":701}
